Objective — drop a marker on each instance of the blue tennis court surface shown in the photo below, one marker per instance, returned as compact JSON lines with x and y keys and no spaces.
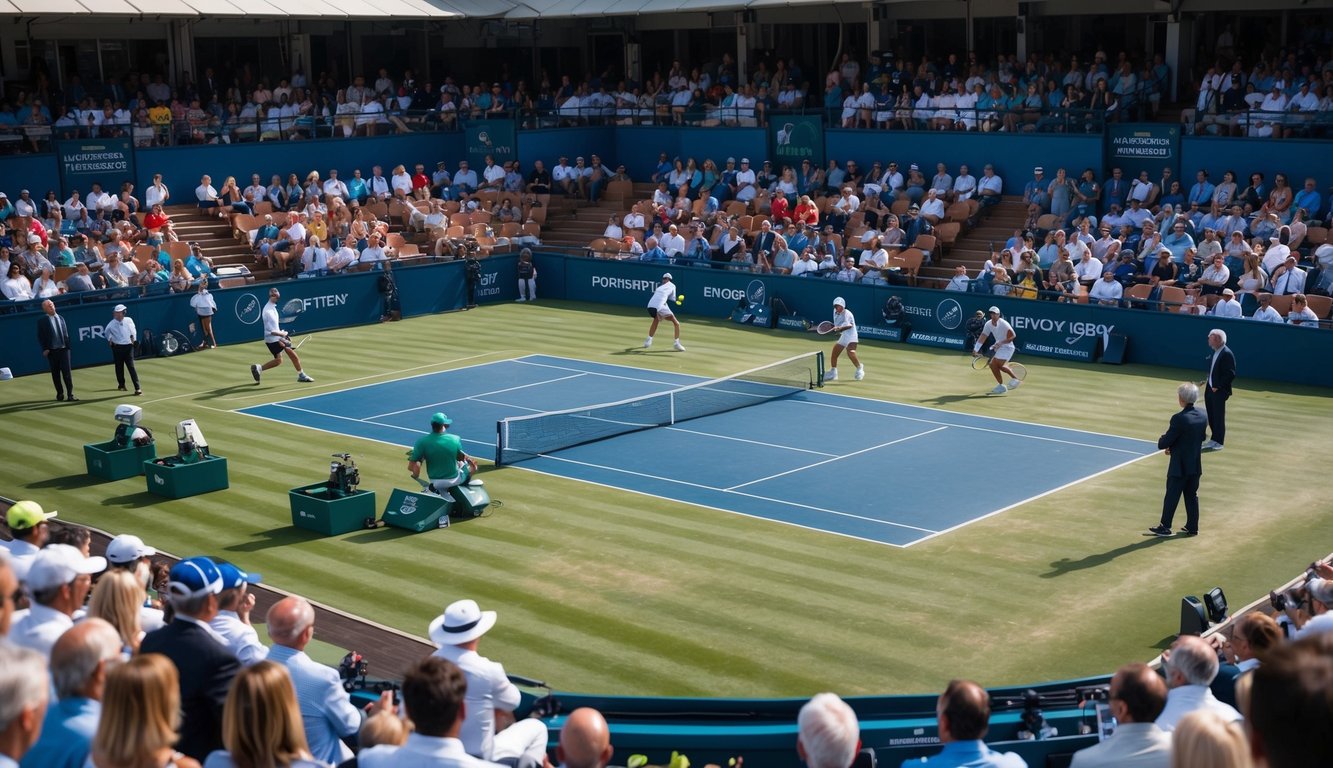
{"x":883,"y":472}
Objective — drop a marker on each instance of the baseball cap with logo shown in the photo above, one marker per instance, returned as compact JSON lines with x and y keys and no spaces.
{"x":127,"y":548}
{"x":59,"y":564}
{"x":27,"y":514}
{"x":194,"y":577}
{"x":233,"y":577}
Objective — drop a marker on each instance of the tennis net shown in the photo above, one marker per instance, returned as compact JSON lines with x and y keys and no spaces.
{"x":522,"y":437}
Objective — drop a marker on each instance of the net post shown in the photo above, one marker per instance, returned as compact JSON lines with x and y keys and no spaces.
{"x":671,"y":405}
{"x":819,"y":369}
{"x":499,"y":442}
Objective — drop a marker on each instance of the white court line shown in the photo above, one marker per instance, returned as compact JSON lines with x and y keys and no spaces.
{"x":764,"y":518}
{"x":736,"y":493}
{"x":743,"y":440}
{"x":840,"y":458}
{"x":671,"y":384}
{"x":477,"y":396}
{"x":340,"y":434}
{"x":974,"y":428}
{"x":505,"y":405}
{"x":1029,"y":499}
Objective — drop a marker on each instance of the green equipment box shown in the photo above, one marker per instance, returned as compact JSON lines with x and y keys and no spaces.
{"x":177,"y":481}
{"x":109,"y":462}
{"x":317,"y":508}
{"x":417,"y":511}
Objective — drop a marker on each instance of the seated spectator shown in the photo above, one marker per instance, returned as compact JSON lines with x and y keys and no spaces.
{"x":325,"y":707}
{"x":1253,"y":635}
{"x":15,"y":286}
{"x":1265,"y":312}
{"x":1301,"y":314}
{"x":1289,"y":705}
{"x":141,"y":720}
{"x":963,"y":712}
{"x":990,"y":187}
{"x":488,"y":730}
{"x":1214,"y":277}
{"x":585,"y":740}
{"x":206,"y":194}
{"x":233,"y":620}
{"x":261,"y":723}
{"x":434,"y":695}
{"x":26,"y":693}
{"x":381,"y":728}
{"x":80,"y":661}
{"x":849,"y":273}
{"x":1190,"y":666}
{"x":1287,"y":278}
{"x":199,"y":265}
{"x":1228,"y":306}
{"x":1206,"y":739}
{"x":1137,"y":698}
{"x":206,"y":666}
{"x":59,"y":580}
{"x":118,"y":599}
{"x":828,"y":735}
{"x":1107,"y":291}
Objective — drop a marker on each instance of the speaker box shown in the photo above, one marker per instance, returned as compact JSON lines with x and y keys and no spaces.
{"x":1193,"y":618}
{"x":417,"y":511}
{"x":1114,"y":348}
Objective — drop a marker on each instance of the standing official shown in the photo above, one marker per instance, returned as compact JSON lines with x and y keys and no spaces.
{"x":53,"y":335}
{"x":121,"y":335}
{"x":1217,"y":388}
{"x":1182,"y":443}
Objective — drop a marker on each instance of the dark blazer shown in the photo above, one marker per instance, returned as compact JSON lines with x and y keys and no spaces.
{"x":1185,"y":439}
{"x":46,"y":335}
{"x":1224,"y":372}
{"x":206,"y":670}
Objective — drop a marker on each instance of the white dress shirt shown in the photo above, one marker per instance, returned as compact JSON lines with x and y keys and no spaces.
{"x":1188,"y":698}
{"x":39,"y":628}
{"x":420,"y":752}
{"x":121,"y":332}
{"x":242,"y":639}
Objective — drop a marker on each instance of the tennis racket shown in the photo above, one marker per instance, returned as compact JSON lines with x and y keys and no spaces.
{"x":822,"y":329}
{"x":981,"y":362}
{"x":291,"y":310}
{"x":298,"y":344}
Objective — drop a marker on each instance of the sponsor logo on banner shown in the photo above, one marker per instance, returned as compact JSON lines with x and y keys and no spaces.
{"x":792,"y":323}
{"x":949,"y":314}
{"x":326,"y":301}
{"x":92,"y":332}
{"x":929,"y":339}
{"x":756,"y":292}
{"x":728,"y":294}
{"x":248,"y":307}
{"x":632,"y":284}
{"x":490,"y":284}
{"x":880,"y":332}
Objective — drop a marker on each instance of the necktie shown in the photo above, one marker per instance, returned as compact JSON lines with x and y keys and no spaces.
{"x":61,"y":332}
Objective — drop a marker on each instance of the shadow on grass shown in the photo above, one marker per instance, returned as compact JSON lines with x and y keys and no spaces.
{"x":249,"y":386}
{"x":277,"y":537}
{"x":1064,"y":565}
{"x":641,"y":350}
{"x":382,"y":534}
{"x":132,"y":500}
{"x":947,"y":399}
{"x":68,"y":482}
{"x":43,"y":405}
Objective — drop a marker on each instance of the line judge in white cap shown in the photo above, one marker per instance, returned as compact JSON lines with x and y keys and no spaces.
{"x":121,"y":336}
{"x":844,"y":322}
{"x":659,"y":309}
{"x":489,"y":731}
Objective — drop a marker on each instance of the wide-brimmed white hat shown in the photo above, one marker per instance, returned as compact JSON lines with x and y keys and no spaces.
{"x":462,"y":622}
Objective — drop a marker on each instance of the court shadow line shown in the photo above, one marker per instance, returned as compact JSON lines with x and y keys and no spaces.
{"x":946,"y":399}
{"x":228,"y":390}
{"x":69,"y":482}
{"x":42,"y":405}
{"x":132,"y":500}
{"x":276,"y":537}
{"x":1065,"y":565}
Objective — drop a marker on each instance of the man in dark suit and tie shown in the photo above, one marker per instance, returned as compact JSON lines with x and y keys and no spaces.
{"x":53,"y":335}
{"x":1182,"y":443}
{"x":201,"y":656}
{"x":1217,"y":387}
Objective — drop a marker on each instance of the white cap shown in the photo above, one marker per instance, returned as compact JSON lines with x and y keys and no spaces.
{"x":127,"y":548}
{"x":119,"y":308}
{"x":995,"y":309}
{"x":838,"y":302}
{"x":666,"y":276}
{"x":34,"y":239}
{"x":59,"y":564}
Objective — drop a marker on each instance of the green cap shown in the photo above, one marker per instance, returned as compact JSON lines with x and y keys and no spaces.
{"x":440,"y":418}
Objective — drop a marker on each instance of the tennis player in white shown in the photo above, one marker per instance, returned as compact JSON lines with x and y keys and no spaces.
{"x":278,"y":341}
{"x":659,"y":308}
{"x":845,"y":323}
{"x":999,"y":329}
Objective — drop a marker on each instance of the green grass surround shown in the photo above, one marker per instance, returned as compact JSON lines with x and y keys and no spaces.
{"x":612,"y":592}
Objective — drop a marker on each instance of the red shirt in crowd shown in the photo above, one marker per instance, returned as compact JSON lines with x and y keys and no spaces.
{"x":420,"y":181}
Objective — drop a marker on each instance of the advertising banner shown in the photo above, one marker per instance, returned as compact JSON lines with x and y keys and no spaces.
{"x":109,"y":162}
{"x":489,"y":137}
{"x":1150,"y":147}
{"x":793,"y":138}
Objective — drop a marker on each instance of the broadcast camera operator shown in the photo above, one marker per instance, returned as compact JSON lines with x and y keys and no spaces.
{"x":388,"y":287}
{"x":1315,"y":597}
{"x":473,"y":268}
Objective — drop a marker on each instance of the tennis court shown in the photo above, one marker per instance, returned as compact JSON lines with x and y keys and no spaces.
{"x":873,"y":470}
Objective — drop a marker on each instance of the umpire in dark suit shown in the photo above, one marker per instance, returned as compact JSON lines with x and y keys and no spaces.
{"x":53,"y":335}
{"x":1217,"y":387}
{"x":201,"y":657}
{"x":1183,"y":442}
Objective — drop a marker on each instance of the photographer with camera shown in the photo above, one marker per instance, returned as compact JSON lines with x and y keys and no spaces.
{"x":1304,"y":610}
{"x":388,"y":289}
{"x":473,"y":269}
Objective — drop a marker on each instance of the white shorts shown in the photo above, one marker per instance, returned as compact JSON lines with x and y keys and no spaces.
{"x":665,"y":313}
{"x":847,"y":338}
{"x":1004,"y":352}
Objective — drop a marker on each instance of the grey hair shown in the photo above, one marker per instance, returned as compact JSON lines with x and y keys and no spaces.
{"x":828,"y":731}
{"x":1194,"y":659}
{"x":72,"y":665}
{"x":1188,"y":393}
{"x":1221,"y":334}
{"x":23,"y":682}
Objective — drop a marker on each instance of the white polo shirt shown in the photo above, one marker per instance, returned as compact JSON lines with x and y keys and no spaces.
{"x":121,"y":332}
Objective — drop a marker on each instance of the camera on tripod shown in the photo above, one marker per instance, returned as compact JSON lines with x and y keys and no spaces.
{"x":344,"y":477}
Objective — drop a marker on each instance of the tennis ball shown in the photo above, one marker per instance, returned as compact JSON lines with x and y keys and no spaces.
{"x":680,"y":299}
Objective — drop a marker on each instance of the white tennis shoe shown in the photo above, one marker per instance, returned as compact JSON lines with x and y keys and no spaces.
{"x":1013,"y":383}
{"x":1000,"y":389}
{"x":648,"y":342}
{"x":860,"y":373}
{"x":831,"y":374}
{"x":678,"y":346}
{"x":302,"y":377}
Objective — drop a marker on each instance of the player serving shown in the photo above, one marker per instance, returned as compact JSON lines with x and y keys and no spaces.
{"x":278,"y":341}
{"x":844,"y":322}
{"x":1002,"y":332}
{"x":659,"y":308}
